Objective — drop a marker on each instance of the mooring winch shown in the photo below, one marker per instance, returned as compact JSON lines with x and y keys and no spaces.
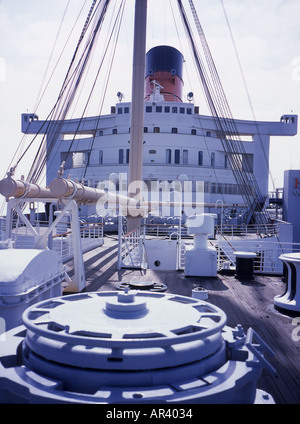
{"x":129,"y":347}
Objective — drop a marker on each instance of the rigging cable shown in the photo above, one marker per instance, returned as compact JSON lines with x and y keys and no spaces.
{"x":46,"y":122}
{"x":39,"y":96}
{"x":108,"y":41}
{"x":200,"y":121}
{"x":228,"y":115}
{"x":225,"y":124}
{"x":179,"y":42}
{"x":68,"y":90}
{"x":39,"y":158}
{"x":121,"y":9}
{"x":247,"y":91}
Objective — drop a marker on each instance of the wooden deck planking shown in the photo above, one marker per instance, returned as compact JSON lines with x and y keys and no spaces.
{"x":249,"y":303}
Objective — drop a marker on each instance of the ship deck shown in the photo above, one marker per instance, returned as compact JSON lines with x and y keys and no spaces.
{"x":249,"y":303}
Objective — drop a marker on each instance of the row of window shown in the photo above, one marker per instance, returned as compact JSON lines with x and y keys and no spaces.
{"x":176,"y":156}
{"x":169,"y":109}
{"x":159,"y":109}
{"x":209,"y":187}
{"x":156,"y":130}
{"x":179,"y":157}
{"x":222,"y":188}
{"x":182,"y":157}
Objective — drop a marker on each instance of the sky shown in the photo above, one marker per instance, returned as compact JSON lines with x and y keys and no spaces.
{"x":266,"y":37}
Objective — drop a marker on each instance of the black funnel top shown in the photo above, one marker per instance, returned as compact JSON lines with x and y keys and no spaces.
{"x":164,"y":58}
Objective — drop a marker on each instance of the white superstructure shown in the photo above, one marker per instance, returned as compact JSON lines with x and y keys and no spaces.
{"x":179,"y":143}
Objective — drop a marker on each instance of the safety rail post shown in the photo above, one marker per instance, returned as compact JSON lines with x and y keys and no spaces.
{"x":120,"y":222}
{"x":130,"y":246}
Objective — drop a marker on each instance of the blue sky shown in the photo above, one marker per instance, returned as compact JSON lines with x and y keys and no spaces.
{"x":266,"y":33}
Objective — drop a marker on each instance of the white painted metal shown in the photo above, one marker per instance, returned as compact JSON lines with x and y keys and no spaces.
{"x":289,"y":302}
{"x":130,"y":347}
{"x":78,"y":281}
{"x":41,"y":239}
{"x":137,"y":109}
{"x":27,"y":276}
{"x":162,"y":255}
{"x":256,"y":136}
{"x":201,"y":258}
{"x":131,"y":249}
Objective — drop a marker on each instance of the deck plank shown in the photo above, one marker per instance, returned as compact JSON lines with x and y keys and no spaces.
{"x":249,"y":303}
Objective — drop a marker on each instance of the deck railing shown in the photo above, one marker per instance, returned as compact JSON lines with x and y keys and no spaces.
{"x":61,"y":240}
{"x":247,"y":231}
{"x":161,"y":230}
{"x":261,"y":239}
{"x":91,"y":237}
{"x":267,"y":248}
{"x":130,"y":248}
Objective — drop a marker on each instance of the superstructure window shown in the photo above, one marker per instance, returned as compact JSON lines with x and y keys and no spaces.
{"x":79,"y":159}
{"x":185,"y":157}
{"x":174,"y":109}
{"x":121,"y":156}
{"x":177,"y":156}
{"x":158,"y":109}
{"x":126,"y":109}
{"x":156,"y":129}
{"x":226,"y":161}
{"x":168,"y":156}
{"x":174,"y":130}
{"x":193,"y":131}
{"x":167,"y":109}
{"x":182,"y":110}
{"x":145,"y":129}
{"x":120,"y":111}
{"x":189,"y":111}
{"x":100,"y":157}
{"x":115,"y":131}
{"x":247,"y":162}
{"x":148,"y":109}
{"x":127,"y":155}
{"x":213,"y":159}
{"x":200,"y":158}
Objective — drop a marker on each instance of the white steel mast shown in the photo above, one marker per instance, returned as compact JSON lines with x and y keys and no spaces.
{"x":135,"y":178}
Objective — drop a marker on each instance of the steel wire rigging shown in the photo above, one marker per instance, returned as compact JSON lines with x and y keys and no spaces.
{"x":247,"y":93}
{"x":226,"y":126}
{"x":70,"y":86}
{"x":224,"y":122}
